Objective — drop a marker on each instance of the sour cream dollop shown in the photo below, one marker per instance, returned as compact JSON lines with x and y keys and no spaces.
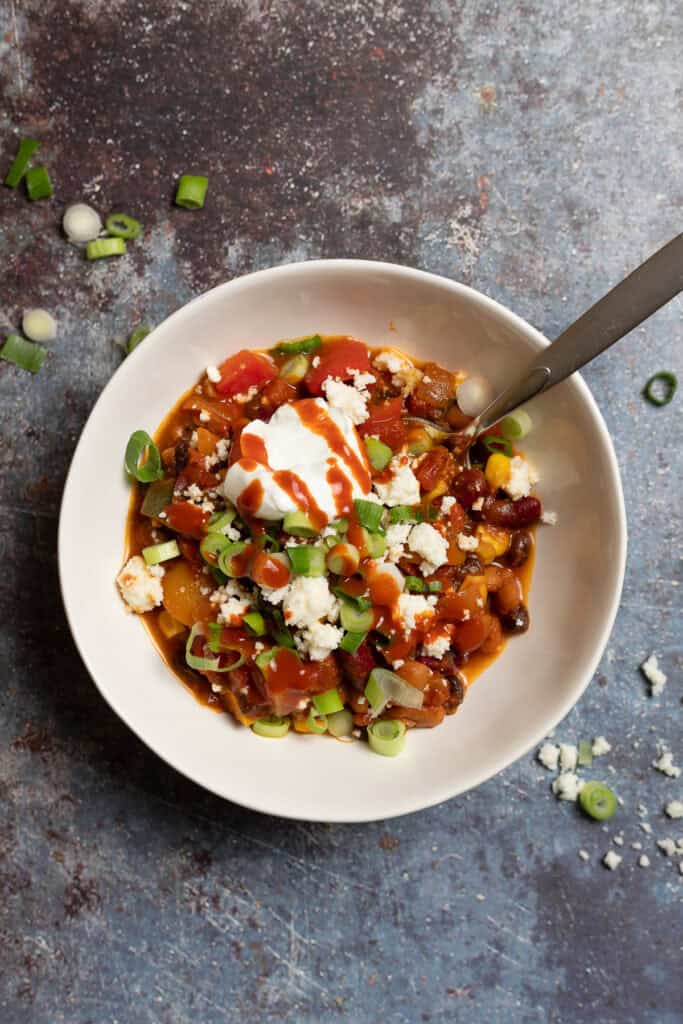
{"x":307,"y":451}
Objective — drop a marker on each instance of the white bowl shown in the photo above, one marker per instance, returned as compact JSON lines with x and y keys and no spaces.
{"x":575,"y":589}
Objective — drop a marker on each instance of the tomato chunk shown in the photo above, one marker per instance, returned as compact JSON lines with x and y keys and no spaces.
{"x":186,"y":518}
{"x":385,"y":422}
{"x":337,"y":358}
{"x":242,"y":371}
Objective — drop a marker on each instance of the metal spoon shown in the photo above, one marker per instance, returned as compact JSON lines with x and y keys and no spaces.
{"x":638,"y":296}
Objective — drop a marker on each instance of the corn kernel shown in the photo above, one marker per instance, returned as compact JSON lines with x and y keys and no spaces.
{"x":497,"y":470}
{"x":493,"y":537}
{"x":436,"y":492}
{"x":169,"y":626}
{"x":486,"y":552}
{"x":477,"y":583}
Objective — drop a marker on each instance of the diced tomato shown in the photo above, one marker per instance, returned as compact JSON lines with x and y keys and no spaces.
{"x":287,"y":679}
{"x":337,"y":358}
{"x":275,"y":394}
{"x":385,"y":422}
{"x":242,"y":371}
{"x":186,"y":518}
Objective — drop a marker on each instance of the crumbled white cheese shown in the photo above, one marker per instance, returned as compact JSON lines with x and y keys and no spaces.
{"x":646,"y":827}
{"x":436,"y":646}
{"x":567,"y":786}
{"x":404,"y":374}
{"x":618,"y":840}
{"x":399,"y":663}
{"x":213,"y":373}
{"x":308,"y":599}
{"x":362,"y":381}
{"x":667,"y":846}
{"x":522,"y":478}
{"x":549,"y":518}
{"x":600,"y":746}
{"x":432,"y":547}
{"x":478,"y":504}
{"x":275,"y":595}
{"x":246,"y":396}
{"x":347,"y":399}
{"x":674,"y":809}
{"x":644,"y":860}
{"x":222,"y":449}
{"x":665,"y":765}
{"x":447,"y":503}
{"x":194,"y":493}
{"x":612,"y":860}
{"x":411,"y":607}
{"x":315,"y":361}
{"x":467,"y":543}
{"x":140,"y":584}
{"x":654,"y":675}
{"x":403,"y":488}
{"x":319,"y":640}
{"x":569,"y":756}
{"x":396,"y":537}
{"x":233,"y":602}
{"x":636,"y":846}
{"x":204,"y":416}
{"x":549,"y":756}
{"x":584,"y":854}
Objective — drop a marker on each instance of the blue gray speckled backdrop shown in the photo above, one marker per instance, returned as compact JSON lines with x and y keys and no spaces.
{"x":531,"y":149}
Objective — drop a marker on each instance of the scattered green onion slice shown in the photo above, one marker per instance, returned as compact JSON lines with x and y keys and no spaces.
{"x":598,"y":801}
{"x":516,"y":426}
{"x":664,"y":381}
{"x":298,"y":524}
{"x":219,"y":576}
{"x":227,"y":554}
{"x":215,"y":633}
{"x":27,"y":148}
{"x":219,"y":521}
{"x":414,"y":584}
{"x":585,"y":754}
{"x":344,"y":561}
{"x":191,"y":191}
{"x":39,"y":325}
{"x":339,"y":525}
{"x":327,"y":703}
{"x":264,"y":658}
{"x":384,"y":687}
{"x":38,"y":184}
{"x":255,"y":622}
{"x":357,"y":600}
{"x":351,"y":641}
{"x":140,"y":444}
{"x":103,"y":247}
{"x":23,"y":353}
{"x":369,"y":514}
{"x":158,"y":496}
{"x":316,"y":723}
{"x":354,"y":619}
{"x":434,"y":587}
{"x":496,"y":445}
{"x":272,"y":727}
{"x":122,"y":226}
{"x":379,"y":453}
{"x":303,"y":347}
{"x":156,"y":553}
{"x":136,"y":336}
{"x":307,"y":560}
{"x":420,"y":443}
{"x":340,"y":724}
{"x":387,"y":737}
{"x":208,"y":664}
{"x":402,"y":514}
{"x":295,"y":369}
{"x":211,"y":546}
{"x":376,"y":543}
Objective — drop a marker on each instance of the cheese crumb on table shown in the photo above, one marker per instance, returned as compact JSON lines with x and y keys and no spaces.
{"x":644,"y":861}
{"x":667,"y":846}
{"x":666,"y":766}
{"x":654,"y":675}
{"x":612,"y":860}
{"x":140,"y":584}
{"x":567,"y":786}
{"x":674,"y":809}
{"x":569,"y":756}
{"x":584,"y":854}
{"x":600,"y":746}
{"x":549,"y":756}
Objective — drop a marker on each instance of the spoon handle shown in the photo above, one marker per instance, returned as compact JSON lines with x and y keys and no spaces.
{"x":637,"y":297}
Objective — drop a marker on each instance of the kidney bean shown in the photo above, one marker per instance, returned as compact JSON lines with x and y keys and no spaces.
{"x":516,"y":621}
{"x":494,"y":638}
{"x":357,"y":667}
{"x":509,"y":597}
{"x":468,"y":486}
{"x":433,"y":394}
{"x":470,"y":635}
{"x":447,"y":668}
{"x":423,"y":718}
{"x":496,"y":576}
{"x":513,"y":514}
{"x":520,"y":548}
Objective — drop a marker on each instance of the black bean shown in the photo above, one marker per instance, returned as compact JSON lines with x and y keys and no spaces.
{"x":516,"y":621}
{"x":520,"y":548}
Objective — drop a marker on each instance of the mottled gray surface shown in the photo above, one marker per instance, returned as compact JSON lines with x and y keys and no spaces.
{"x":530,"y":149}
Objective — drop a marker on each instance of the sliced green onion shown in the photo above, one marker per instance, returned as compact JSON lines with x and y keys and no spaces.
{"x":495,"y":444}
{"x":434,"y":587}
{"x":585,"y":758}
{"x":215,"y":633}
{"x":255,"y":623}
{"x":597,"y":800}
{"x":219,"y":576}
{"x":159,"y":494}
{"x":369,"y":514}
{"x":343,"y":561}
{"x":142,"y":458}
{"x":379,"y":453}
{"x":353,"y":619}
{"x":208,"y":664}
{"x":339,"y":525}
{"x":39,"y":325}
{"x":298,"y":524}
{"x":340,"y":724}
{"x":27,"y":148}
{"x":264,"y":658}
{"x":307,"y":560}
{"x":122,"y":226}
{"x":226,"y":556}
{"x":295,"y":369}
{"x":136,"y":336}
{"x":303,"y":347}
{"x":414,"y":584}
{"x":316,"y":723}
{"x":387,"y":737}
{"x":22,"y":353}
{"x":384,"y":687}
{"x":402,"y":514}
{"x":351,"y":641}
{"x":272,"y":727}
{"x":191,"y":191}
{"x":327,"y":703}
{"x":219,"y":521}
{"x":38,"y":184}
{"x":211,"y":546}
{"x":357,"y":600}
{"x":516,"y":426}
{"x":103,"y":247}
{"x":664,"y":381}
{"x":375,"y":543}
{"x":156,"y":553}
{"x":330,"y":542}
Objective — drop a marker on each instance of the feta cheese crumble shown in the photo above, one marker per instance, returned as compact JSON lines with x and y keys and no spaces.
{"x":404,"y":375}
{"x":567,"y":786}
{"x":233,"y":602}
{"x":436,"y":646}
{"x":584,"y":855}
{"x":600,"y":746}
{"x":432,"y":547}
{"x":308,"y":599}
{"x":213,"y":373}
{"x":478,"y":505}
{"x":612,"y":860}
{"x":466,"y":543}
{"x":447,"y":504}
{"x":140,"y":584}
{"x":549,"y":756}
{"x":411,"y":607}
{"x":654,"y":675}
{"x":403,"y":488}
{"x":674,"y":809}
{"x":665,"y":765}
{"x":644,"y":860}
{"x":569,"y":756}
{"x":396,"y":537}
{"x":347,"y":399}
{"x":549,"y":518}
{"x":319,"y":640}
{"x":522,"y":478}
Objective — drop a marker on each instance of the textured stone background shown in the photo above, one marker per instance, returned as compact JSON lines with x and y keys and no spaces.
{"x":531,"y":149}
